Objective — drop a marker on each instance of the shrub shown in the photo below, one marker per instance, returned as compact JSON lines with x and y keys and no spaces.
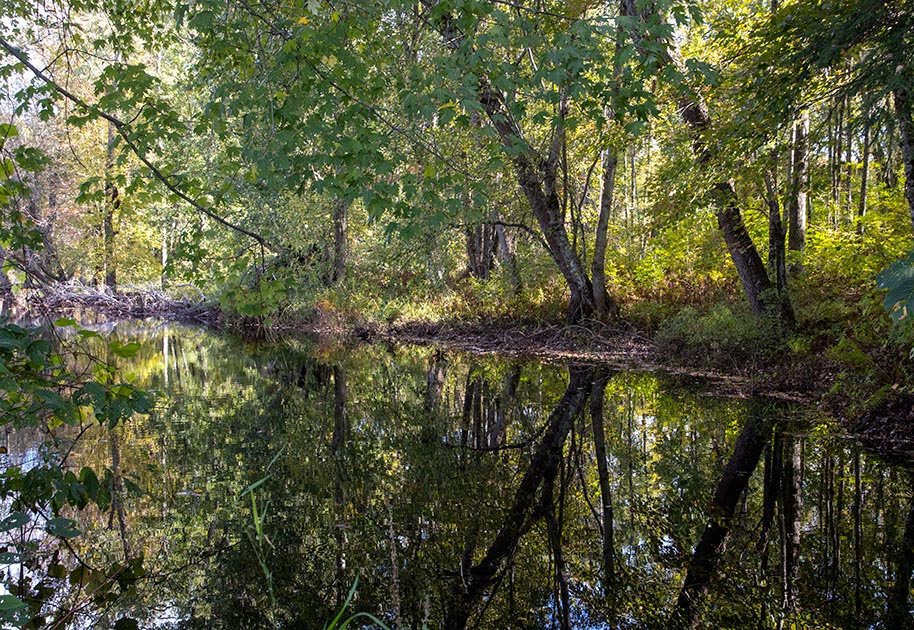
{"x":726,"y":335}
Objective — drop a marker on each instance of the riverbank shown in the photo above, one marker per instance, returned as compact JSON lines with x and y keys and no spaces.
{"x":864,"y":387}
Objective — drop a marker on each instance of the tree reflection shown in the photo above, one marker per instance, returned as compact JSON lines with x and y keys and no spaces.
{"x":468,"y":492}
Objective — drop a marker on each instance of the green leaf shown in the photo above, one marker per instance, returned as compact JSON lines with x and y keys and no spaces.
{"x":91,"y":395}
{"x":124,"y":350}
{"x":7,"y":131}
{"x":62,"y":527}
{"x":64,"y":322}
{"x":899,"y":280}
{"x":11,"y":602}
{"x":126,"y":623}
{"x":89,"y":479}
{"x":14,"y":520}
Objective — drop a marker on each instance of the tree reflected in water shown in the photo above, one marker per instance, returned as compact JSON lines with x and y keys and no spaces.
{"x":469,"y":492}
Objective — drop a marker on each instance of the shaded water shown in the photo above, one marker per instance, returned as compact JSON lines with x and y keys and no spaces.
{"x":463,"y":491}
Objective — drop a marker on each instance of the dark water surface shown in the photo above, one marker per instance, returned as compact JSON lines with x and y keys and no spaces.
{"x":465,"y":491}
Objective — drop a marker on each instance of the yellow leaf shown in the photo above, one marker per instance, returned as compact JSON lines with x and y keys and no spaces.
{"x":304,"y":21}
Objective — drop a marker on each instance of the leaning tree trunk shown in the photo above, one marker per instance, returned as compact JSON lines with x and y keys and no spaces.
{"x":760,"y":292}
{"x":713,"y":543}
{"x":536,"y":178}
{"x":541,"y":194}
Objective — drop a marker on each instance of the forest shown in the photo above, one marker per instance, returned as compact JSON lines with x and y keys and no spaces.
{"x":672,"y":165}
{"x":714,"y":189}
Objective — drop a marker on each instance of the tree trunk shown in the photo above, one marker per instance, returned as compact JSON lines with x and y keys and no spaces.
{"x":537,"y":180}
{"x":340,"y":239}
{"x":713,"y":543}
{"x":760,"y":293}
{"x":163,"y":278}
{"x":480,"y":241}
{"x":898,"y":615}
{"x":505,"y":252}
{"x":602,"y":303}
{"x":903,"y":111}
{"x":848,"y":163}
{"x":112,"y":203}
{"x":541,"y":194}
{"x":694,"y":112}
{"x":777,"y":253}
{"x":597,"y":392}
{"x":799,"y":183}
{"x":864,"y":172}
{"x":474,"y":583}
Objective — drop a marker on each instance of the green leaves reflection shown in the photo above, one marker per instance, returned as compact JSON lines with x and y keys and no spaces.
{"x":405,"y":469}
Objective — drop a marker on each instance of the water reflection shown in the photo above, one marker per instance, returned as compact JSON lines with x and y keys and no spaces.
{"x":466,"y":492}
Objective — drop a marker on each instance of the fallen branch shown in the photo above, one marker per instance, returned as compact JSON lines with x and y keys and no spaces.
{"x":75,"y":298}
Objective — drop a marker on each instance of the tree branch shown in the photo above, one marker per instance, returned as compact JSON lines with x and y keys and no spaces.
{"x":123,"y":130}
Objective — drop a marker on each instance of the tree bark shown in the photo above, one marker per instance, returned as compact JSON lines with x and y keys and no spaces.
{"x":602,"y":303}
{"x":340,"y":239}
{"x":865,"y":171}
{"x":799,"y":183}
{"x":777,"y":253}
{"x":903,"y":111}
{"x":761,"y":294}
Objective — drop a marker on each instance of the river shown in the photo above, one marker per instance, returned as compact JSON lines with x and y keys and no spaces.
{"x":274,"y":481}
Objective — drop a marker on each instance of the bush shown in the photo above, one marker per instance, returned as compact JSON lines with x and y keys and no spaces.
{"x":726,"y":335}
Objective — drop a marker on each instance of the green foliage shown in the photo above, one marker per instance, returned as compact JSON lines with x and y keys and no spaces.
{"x":727,"y":336}
{"x":41,"y":393}
{"x":898,"y":279}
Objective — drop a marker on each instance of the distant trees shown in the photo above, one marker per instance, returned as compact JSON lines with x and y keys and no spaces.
{"x":519,"y":139}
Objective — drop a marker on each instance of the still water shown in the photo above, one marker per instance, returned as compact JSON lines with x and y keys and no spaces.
{"x":459,"y":491}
